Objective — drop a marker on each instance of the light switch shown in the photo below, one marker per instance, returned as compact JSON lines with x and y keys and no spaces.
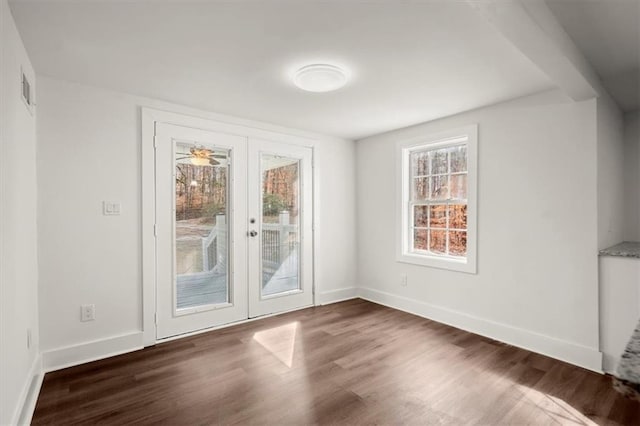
{"x":110,"y":208}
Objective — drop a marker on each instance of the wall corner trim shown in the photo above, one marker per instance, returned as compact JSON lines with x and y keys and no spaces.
{"x":69,"y":356}
{"x":29,"y":395}
{"x":572,"y":353}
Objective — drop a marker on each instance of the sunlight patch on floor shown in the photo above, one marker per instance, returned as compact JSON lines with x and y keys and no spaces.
{"x":280,"y":341}
{"x":555,"y":408}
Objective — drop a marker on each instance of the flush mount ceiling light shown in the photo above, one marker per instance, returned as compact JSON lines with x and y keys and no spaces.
{"x":320,"y":78}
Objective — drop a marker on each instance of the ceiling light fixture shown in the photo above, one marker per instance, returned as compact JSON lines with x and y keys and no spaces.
{"x":320,"y":78}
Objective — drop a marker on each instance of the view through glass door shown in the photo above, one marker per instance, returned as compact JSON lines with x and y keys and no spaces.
{"x":218,"y":262}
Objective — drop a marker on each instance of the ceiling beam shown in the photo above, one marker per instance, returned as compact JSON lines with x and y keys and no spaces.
{"x":532,"y":28}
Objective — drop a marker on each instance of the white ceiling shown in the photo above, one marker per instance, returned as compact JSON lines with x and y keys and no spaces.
{"x":608,"y":34}
{"x":411,"y":61}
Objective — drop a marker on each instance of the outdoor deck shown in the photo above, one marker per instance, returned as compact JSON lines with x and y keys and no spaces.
{"x":211,"y":288}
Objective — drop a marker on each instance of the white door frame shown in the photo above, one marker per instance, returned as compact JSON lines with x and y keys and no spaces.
{"x":230,"y":125}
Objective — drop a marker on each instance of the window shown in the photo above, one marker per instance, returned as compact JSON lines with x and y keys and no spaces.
{"x":438,"y":205}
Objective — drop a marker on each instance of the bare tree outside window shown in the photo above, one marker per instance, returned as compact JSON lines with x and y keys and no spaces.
{"x":438,"y":203}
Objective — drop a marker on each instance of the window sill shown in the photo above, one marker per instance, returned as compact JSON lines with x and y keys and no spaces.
{"x":440,"y":262}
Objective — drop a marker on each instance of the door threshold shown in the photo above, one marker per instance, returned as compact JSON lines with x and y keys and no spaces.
{"x":229,"y":324}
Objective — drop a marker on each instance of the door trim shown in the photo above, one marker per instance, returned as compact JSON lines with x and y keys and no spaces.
{"x":223,"y":124}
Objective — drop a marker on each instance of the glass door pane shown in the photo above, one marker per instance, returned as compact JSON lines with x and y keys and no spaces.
{"x":280,"y":248}
{"x":201,"y":226}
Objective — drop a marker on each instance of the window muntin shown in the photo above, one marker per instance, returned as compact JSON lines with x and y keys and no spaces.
{"x":437,"y":199}
{"x":437,"y":205}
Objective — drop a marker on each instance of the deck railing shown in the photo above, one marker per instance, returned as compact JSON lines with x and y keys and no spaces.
{"x":278,"y":240}
{"x":214,"y":248}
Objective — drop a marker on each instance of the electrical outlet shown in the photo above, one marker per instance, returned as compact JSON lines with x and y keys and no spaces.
{"x":88,"y":313}
{"x":28,"y":338}
{"x":403,"y":280}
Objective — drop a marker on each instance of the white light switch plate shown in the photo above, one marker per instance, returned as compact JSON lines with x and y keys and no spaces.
{"x":111,"y":208}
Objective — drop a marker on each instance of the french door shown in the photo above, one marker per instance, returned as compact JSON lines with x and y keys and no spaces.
{"x":280,"y":227}
{"x":233,"y":228}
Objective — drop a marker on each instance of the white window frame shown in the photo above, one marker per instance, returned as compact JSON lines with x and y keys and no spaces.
{"x":469,"y":136}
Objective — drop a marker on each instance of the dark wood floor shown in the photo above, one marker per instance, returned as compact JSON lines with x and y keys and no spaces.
{"x":353,"y":362}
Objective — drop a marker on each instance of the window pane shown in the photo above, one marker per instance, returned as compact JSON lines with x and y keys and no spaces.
{"x":280,"y":248}
{"x":439,"y":187}
{"x":457,"y":243}
{"x":459,"y":187}
{"x":201,"y":225}
{"x":438,"y":161}
{"x":458,"y":158}
{"x":419,"y":162}
{"x":458,"y":216}
{"x":437,"y":241}
{"x":420,"y":189}
{"x":420,"y":215}
{"x":438,"y":216}
{"x":420,"y":239}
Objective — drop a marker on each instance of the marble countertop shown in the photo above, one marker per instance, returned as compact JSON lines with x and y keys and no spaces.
{"x":626,"y":249}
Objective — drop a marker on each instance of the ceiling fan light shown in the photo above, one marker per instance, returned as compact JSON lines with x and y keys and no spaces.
{"x":320,"y":78}
{"x":200,"y":161}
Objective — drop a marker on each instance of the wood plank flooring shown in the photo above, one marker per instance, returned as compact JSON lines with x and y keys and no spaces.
{"x":353,"y":362}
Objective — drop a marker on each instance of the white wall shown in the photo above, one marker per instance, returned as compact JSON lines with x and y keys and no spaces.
{"x":89,"y":148}
{"x":18,"y":260}
{"x":632,"y":176}
{"x":537,"y":280}
{"x":611,"y":192}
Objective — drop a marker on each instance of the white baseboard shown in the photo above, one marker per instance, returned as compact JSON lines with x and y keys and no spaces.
{"x":582,"y":356}
{"x":69,"y":356}
{"x":29,"y":395}
{"x":338,"y":295}
{"x":610,"y":363}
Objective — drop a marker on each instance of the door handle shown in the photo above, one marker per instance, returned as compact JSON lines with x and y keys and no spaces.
{"x":253,"y":233}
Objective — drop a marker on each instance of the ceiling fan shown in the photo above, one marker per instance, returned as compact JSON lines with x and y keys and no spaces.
{"x":200,"y":156}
